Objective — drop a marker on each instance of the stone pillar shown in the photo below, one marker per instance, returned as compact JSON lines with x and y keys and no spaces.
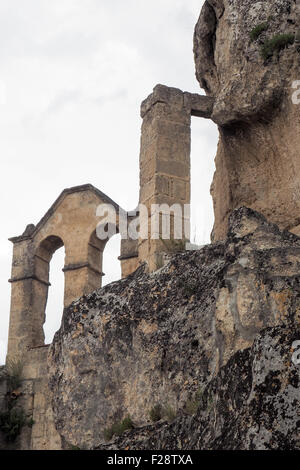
{"x":24,"y":329}
{"x":129,"y":257}
{"x":165,"y":161}
{"x":80,"y":279}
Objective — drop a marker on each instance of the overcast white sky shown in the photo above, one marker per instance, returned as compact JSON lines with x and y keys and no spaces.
{"x":72,"y":76}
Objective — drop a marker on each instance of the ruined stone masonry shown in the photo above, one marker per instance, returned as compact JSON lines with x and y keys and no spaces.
{"x":206,"y":318}
{"x":165,"y":156}
{"x":71,"y":222}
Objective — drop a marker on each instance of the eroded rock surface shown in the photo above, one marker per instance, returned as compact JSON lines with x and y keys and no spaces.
{"x":253,"y":403}
{"x":255,"y":106}
{"x":161,"y":338}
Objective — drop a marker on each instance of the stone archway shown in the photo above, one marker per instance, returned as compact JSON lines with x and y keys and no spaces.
{"x":71,"y":221}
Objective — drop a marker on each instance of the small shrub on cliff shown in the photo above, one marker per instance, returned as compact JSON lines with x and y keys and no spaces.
{"x":297,"y":40}
{"x":126,"y":424}
{"x":258,"y":30}
{"x":156,"y":413}
{"x":14,"y":370}
{"x":211,"y":403}
{"x":118,"y":429}
{"x":13,"y":418}
{"x":191,"y":407}
{"x":174,"y":246}
{"x":170,"y":413}
{"x":108,"y":434}
{"x":193,"y":404}
{"x":72,"y":447}
{"x":159,"y":412}
{"x":12,"y":421}
{"x":276,"y":44}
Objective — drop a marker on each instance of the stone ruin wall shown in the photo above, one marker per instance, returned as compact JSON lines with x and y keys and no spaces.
{"x":70,"y":222}
{"x":257,"y":165}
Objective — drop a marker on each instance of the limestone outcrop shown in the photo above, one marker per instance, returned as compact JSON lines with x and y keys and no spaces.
{"x":252,"y":404}
{"x":247,"y":58}
{"x":188,"y":329}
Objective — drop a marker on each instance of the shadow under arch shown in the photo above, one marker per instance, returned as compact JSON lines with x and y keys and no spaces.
{"x":42,"y":259}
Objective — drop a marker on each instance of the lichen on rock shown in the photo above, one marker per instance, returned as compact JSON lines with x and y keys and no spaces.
{"x":160,"y":337}
{"x":252,"y":404}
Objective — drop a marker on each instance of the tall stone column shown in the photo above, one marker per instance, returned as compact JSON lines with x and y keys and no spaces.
{"x":165,"y":162}
{"x":25,"y":329}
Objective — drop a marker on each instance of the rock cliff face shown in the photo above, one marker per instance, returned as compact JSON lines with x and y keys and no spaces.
{"x":182,"y":332}
{"x":253,"y":403}
{"x":247,"y":58}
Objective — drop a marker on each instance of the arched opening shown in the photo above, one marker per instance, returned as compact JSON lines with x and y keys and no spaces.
{"x":103,"y":259}
{"x":111,"y":263}
{"x":204,"y":140}
{"x":55,"y":300}
{"x":43,"y":257}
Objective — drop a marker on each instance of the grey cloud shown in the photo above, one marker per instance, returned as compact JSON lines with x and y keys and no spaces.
{"x":63,"y":99}
{"x":104,"y":99}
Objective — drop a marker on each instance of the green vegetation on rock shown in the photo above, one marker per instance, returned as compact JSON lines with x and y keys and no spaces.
{"x":12,"y":421}
{"x":14,"y":370}
{"x":159,"y":412}
{"x":193,"y":404}
{"x":155,"y":414}
{"x":276,"y":44}
{"x":13,"y":418}
{"x":258,"y":30}
{"x":170,"y":413}
{"x":118,"y":429}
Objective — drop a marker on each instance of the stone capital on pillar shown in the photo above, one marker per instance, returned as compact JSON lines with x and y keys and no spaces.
{"x":193,"y":103}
